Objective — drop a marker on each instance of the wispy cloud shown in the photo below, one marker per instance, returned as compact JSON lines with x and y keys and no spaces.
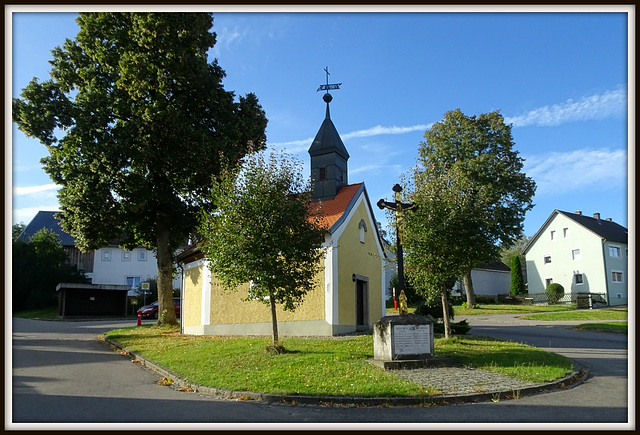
{"x":599,"y":106}
{"x":18,"y":191}
{"x":304,"y":144}
{"x":580,"y":170}
{"x":380,"y":130}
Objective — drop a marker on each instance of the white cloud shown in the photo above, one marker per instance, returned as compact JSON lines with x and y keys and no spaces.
{"x":18,"y":191}
{"x":378,"y":130}
{"x":577,"y":171}
{"x":599,"y":106}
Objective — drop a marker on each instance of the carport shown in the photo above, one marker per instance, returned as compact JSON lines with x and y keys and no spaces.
{"x":92,"y":299}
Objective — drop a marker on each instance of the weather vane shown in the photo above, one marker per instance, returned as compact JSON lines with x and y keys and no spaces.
{"x":328,"y":86}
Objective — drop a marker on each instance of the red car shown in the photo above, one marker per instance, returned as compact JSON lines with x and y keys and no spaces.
{"x":151,"y":310}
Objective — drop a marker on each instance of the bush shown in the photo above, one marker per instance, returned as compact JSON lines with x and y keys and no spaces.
{"x":434,"y":309}
{"x":459,"y":328}
{"x":554,"y":292}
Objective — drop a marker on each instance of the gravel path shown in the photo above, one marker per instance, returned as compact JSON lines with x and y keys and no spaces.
{"x":462,"y":380}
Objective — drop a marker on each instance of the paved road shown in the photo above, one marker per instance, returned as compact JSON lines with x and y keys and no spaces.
{"x":63,"y":375}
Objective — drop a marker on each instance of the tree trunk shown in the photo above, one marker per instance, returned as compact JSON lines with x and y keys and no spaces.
{"x":468,"y":288}
{"x":445,"y":313}
{"x":164,"y":256}
{"x":274,"y":321}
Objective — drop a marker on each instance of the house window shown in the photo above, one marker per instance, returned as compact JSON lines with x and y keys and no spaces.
{"x":575,"y":254}
{"x":577,"y":278}
{"x":616,"y":276}
{"x":565,"y":233}
{"x":614,"y":251}
{"x":134,"y":282}
{"x":548,"y":282}
{"x":322,"y":174}
{"x":363,"y":229}
{"x":126,"y":255}
{"x":106,"y":255}
{"x":553,"y":235}
{"x":142,"y":255}
{"x":547,"y":259}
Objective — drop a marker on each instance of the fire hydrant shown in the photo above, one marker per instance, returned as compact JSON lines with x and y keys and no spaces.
{"x":139,"y":319}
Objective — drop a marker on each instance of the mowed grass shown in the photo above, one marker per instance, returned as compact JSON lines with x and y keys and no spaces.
{"x":320,"y":366}
{"x":490,"y":309}
{"x":600,"y":314}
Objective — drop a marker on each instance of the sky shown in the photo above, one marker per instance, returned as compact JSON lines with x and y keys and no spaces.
{"x":559,"y":76}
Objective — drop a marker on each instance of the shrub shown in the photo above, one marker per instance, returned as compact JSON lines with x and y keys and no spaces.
{"x":434,"y":309}
{"x":459,"y":328}
{"x":517,"y":281}
{"x":554,"y":292}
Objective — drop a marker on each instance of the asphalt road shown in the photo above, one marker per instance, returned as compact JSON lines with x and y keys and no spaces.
{"x":63,"y":376}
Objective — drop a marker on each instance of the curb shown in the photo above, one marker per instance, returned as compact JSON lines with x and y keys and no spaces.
{"x":576,"y":377}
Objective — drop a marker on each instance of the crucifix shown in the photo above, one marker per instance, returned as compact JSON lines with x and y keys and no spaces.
{"x":399,"y":207}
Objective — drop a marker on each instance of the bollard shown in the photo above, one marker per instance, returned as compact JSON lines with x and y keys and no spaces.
{"x":139,"y":319}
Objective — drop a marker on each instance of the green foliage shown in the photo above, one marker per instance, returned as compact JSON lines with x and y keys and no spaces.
{"x":554,"y":292}
{"x":471,"y":195}
{"x":434,"y":309}
{"x":16,"y":230}
{"x":37,"y":268}
{"x":509,"y":249}
{"x":458,"y":328}
{"x":264,"y":231}
{"x":517,"y":281}
{"x":409,"y":291}
{"x":137,"y":122}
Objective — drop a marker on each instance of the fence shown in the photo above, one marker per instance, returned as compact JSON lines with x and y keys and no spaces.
{"x":580,"y":299}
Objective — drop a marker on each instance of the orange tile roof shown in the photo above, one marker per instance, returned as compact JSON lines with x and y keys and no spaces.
{"x":333,"y":209}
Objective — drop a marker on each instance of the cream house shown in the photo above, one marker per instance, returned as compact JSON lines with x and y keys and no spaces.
{"x":583,"y":254}
{"x":349,"y":294}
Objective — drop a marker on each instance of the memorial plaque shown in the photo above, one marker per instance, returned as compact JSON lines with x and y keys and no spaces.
{"x":411,"y":339}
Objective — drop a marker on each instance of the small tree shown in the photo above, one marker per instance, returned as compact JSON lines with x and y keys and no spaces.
{"x":554,"y":293}
{"x":517,"y":282}
{"x":263,"y":232}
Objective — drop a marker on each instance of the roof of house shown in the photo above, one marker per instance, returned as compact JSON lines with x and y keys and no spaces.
{"x":603,"y":228}
{"x":47,"y":219}
{"x":334,"y":210}
{"x":328,"y":140}
{"x":496,"y":265}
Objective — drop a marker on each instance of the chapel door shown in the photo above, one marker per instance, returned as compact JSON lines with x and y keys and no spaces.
{"x":362,"y":303}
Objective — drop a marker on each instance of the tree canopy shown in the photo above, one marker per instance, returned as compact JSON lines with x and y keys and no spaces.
{"x":472,"y":195}
{"x":137,"y":123}
{"x":265,"y":232}
{"x":38,"y":266}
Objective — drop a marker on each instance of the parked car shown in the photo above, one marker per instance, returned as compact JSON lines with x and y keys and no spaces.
{"x":151,"y":310}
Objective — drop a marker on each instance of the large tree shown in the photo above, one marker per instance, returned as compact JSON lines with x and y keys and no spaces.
{"x":265,"y":232}
{"x":480,"y":152}
{"x":137,"y":122}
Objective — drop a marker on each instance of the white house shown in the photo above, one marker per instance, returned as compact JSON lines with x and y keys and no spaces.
{"x":491,"y":279}
{"x":111,"y":265}
{"x":583,"y":254}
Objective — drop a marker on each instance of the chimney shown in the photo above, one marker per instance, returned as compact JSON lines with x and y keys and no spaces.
{"x":579,"y":213}
{"x":596,"y":216}
{"x":608,"y":219}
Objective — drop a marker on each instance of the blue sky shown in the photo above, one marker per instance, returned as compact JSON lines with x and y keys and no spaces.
{"x":561,"y":79}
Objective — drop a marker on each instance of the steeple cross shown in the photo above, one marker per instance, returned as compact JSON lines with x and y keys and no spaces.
{"x":328,"y":86}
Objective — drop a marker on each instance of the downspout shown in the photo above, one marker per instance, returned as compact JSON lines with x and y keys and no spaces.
{"x":606,"y":276}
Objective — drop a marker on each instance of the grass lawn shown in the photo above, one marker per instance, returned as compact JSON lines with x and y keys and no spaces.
{"x":489,"y":309}
{"x":50,"y":313}
{"x":321,"y":366}
{"x":601,"y":314}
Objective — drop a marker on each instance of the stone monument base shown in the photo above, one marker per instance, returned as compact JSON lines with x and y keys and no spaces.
{"x":410,"y":364}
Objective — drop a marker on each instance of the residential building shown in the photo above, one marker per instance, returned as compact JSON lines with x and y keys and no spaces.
{"x":583,"y":254}
{"x":112,"y":265}
{"x":491,"y":279}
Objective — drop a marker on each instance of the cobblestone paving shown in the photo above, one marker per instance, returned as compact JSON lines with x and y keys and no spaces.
{"x":462,"y":380}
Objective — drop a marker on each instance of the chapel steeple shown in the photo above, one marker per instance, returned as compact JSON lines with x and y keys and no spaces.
{"x":328,"y":154}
